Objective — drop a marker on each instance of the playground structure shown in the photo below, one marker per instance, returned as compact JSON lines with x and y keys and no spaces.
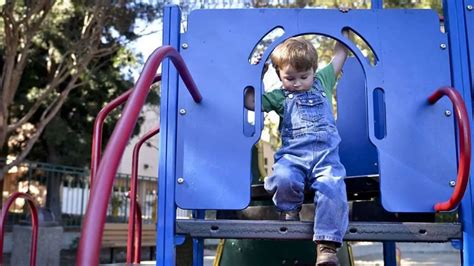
{"x":395,"y":126}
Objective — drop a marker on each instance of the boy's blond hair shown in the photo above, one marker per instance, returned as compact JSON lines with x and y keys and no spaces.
{"x":297,"y":52}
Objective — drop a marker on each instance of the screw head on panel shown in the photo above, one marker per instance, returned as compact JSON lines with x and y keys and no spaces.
{"x":452,"y":183}
{"x":185,"y":46}
{"x":182,"y":111}
{"x":443,"y":46}
{"x":447,"y":113}
{"x":469,"y":7}
{"x":180,"y":180}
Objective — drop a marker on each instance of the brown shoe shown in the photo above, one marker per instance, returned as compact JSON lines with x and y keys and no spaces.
{"x":326,"y":254}
{"x":293,"y":215}
{"x":290,"y":215}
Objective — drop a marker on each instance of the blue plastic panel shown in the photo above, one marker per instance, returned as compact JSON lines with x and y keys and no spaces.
{"x":357,"y":153}
{"x":416,"y":157}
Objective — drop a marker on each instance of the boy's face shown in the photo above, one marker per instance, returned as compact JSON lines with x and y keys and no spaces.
{"x":296,"y":80}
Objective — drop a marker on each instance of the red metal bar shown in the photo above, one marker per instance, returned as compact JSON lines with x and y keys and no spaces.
{"x":98,"y":126}
{"x":34,"y":223}
{"x":133,"y":191}
{"x":137,"y":250}
{"x":94,"y":220}
{"x":464,"y":166}
{"x":97,"y":131}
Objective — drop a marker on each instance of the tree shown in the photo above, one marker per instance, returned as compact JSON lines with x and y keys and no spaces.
{"x":53,"y":51}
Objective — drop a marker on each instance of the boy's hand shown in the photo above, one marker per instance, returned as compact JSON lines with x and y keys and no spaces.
{"x":344,"y":9}
{"x":249,"y":99}
{"x":345,"y":32}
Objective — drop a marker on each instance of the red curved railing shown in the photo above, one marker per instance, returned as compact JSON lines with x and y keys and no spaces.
{"x":94,"y":220}
{"x":96,"y":149}
{"x":464,"y":166}
{"x":34,"y":223}
{"x":98,"y":126}
{"x":133,"y":194}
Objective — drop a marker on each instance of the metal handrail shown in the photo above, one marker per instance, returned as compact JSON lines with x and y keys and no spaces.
{"x":98,"y":126}
{"x":94,"y":220}
{"x":133,"y":194}
{"x":97,"y":131}
{"x":97,"y":145}
{"x":462,"y":120}
{"x":34,"y":223}
{"x":137,"y":245}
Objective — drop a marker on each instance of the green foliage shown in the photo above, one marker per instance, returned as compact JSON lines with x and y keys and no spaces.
{"x":432,"y":4}
{"x":67,"y":138}
{"x":447,"y":217}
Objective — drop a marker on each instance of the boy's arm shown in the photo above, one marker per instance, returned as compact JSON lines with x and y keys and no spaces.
{"x":271,"y":101}
{"x":249,"y":97}
{"x":340,"y":55}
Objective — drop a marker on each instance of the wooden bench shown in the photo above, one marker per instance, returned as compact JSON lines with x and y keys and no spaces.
{"x":116,"y":234}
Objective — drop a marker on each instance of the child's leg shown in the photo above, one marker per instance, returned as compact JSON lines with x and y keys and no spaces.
{"x":287,"y":184}
{"x":331,"y":213}
{"x":332,"y":210}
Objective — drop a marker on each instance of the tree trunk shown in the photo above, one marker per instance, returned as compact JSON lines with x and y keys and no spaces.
{"x":53,"y":197}
{"x":53,"y":186}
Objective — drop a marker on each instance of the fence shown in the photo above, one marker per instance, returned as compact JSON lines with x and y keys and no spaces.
{"x":64,"y":192}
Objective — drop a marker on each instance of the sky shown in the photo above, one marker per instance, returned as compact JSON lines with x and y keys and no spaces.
{"x":148,"y":43}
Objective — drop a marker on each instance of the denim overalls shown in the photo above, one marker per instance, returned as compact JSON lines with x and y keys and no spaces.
{"x":309,"y":158}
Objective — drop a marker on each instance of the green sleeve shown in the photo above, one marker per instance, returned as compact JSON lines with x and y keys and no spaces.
{"x":327,"y":77}
{"x":273,"y":101}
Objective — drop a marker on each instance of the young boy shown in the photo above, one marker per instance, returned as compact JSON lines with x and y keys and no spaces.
{"x":309,"y":153}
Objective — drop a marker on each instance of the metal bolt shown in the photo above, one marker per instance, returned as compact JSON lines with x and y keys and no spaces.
{"x":469,"y":7}
{"x":180,"y":180}
{"x":452,"y":183}
{"x":185,"y":46}
{"x":182,"y":111}
{"x":447,"y":113}
{"x":443,"y":46}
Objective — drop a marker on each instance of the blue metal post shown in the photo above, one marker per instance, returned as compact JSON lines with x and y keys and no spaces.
{"x":198,"y":244}
{"x":165,"y":243}
{"x":389,"y":253}
{"x":455,"y":18}
{"x":377,"y":4}
{"x":467,"y":213}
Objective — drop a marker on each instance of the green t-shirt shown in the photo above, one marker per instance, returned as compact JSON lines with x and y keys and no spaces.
{"x":275,"y":100}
